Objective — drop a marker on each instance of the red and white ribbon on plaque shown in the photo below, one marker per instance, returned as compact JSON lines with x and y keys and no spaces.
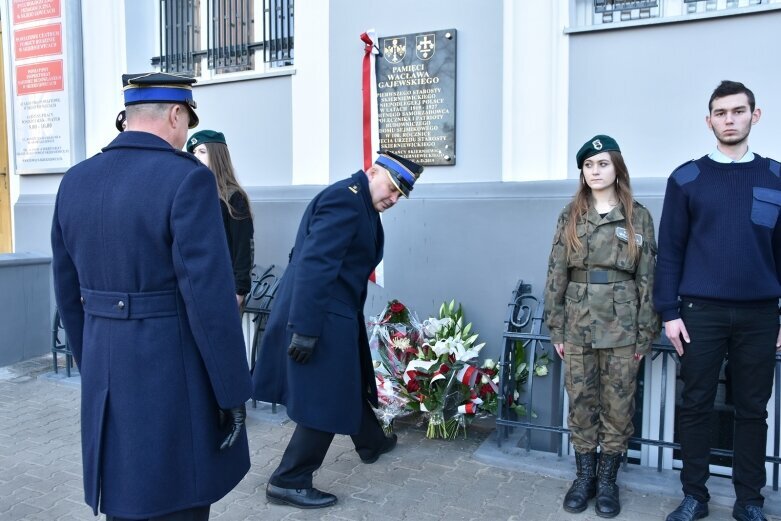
{"x":468,"y":375}
{"x":371,"y":131}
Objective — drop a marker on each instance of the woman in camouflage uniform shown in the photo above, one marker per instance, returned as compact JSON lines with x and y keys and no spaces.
{"x":599,"y":313}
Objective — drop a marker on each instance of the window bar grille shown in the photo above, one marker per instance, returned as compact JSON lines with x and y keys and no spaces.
{"x":230,"y":34}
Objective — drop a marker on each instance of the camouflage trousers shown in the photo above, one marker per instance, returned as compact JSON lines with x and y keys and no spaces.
{"x":601,"y":387}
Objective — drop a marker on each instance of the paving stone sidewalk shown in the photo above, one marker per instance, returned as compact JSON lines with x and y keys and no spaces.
{"x":40,"y":470}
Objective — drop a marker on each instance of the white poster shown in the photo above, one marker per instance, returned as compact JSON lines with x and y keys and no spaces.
{"x":42,"y":126}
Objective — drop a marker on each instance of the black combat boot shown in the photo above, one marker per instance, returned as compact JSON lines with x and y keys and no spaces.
{"x":585,"y":485}
{"x":608,"y":504}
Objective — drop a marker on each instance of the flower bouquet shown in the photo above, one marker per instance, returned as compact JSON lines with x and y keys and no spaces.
{"x":429,"y":367}
{"x":394,"y":336}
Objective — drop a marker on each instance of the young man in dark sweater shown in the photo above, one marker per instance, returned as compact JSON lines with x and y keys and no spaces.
{"x":718,"y":280}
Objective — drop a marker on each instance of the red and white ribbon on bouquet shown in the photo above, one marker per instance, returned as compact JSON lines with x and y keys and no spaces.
{"x":468,"y":375}
{"x":468,"y":408}
{"x":440,"y":373}
{"x":414,"y":366}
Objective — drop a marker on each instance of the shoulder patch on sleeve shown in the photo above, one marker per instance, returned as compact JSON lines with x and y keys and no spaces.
{"x":686,"y":173}
{"x":775,"y":167}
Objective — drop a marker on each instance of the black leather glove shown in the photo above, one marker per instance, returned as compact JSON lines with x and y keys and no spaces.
{"x":233,"y":418}
{"x":301,"y":348}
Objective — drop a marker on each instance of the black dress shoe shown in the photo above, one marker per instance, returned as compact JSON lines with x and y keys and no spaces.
{"x":299,"y":497}
{"x":388,"y":445}
{"x":748,"y":513}
{"x":689,"y":510}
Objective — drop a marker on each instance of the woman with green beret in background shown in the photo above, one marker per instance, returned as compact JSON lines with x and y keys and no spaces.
{"x":211,"y":149}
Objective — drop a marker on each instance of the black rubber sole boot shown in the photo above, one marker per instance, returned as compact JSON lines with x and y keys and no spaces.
{"x":608,"y":503}
{"x":585,"y":485}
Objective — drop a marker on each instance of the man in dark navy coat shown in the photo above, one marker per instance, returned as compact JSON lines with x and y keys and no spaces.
{"x":314,"y":357}
{"x":144,"y":285}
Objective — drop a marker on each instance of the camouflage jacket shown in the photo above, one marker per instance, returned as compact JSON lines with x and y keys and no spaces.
{"x":615,"y":314}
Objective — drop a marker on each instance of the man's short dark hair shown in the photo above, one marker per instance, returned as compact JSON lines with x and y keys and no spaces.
{"x":728,"y":88}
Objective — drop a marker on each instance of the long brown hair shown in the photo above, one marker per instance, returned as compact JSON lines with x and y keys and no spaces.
{"x":221,"y":165}
{"x":582,"y":201}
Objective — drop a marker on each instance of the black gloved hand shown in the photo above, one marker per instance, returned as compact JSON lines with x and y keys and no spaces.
{"x":233,"y":418}
{"x":301,"y":348}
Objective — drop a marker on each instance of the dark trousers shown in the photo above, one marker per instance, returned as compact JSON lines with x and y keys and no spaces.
{"x":748,"y":336}
{"x":191,"y":514}
{"x":307,"y":447}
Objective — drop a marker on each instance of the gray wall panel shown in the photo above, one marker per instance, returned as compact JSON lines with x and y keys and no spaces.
{"x":471,"y":242}
{"x":479,"y":80}
{"x":649,"y":87}
{"x":33,"y":223}
{"x":25,"y":309}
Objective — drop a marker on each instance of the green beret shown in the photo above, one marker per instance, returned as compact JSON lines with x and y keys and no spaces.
{"x":205,"y":136}
{"x":596,"y":145}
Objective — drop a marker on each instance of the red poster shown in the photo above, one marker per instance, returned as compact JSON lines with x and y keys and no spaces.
{"x":39,"y":77}
{"x":29,"y":10}
{"x":43,"y":40}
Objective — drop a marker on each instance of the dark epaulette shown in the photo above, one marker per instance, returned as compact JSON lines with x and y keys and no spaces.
{"x":775,"y":167}
{"x":188,"y":156}
{"x":686,"y":173}
{"x":354,"y":188}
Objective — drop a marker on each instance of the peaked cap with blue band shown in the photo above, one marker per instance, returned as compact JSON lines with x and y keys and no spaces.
{"x":403,"y":172}
{"x":160,"y":87}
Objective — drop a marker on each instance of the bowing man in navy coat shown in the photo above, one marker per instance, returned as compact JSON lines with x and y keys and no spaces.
{"x":315,"y":357}
{"x":144,"y":285}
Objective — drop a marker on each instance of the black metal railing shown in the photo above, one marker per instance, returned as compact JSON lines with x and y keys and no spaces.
{"x":524,"y":324}
{"x":257,"y":306}
{"x":230,"y":35}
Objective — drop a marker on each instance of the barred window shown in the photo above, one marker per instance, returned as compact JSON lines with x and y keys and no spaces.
{"x":590,"y":13}
{"x":232,"y":38}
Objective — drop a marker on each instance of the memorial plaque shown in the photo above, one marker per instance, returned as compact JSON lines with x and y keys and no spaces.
{"x":416,"y":96}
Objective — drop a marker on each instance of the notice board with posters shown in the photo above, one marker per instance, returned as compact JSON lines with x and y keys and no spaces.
{"x":47,"y":85}
{"x":416,"y":96}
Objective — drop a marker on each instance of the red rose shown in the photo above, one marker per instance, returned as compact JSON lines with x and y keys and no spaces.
{"x":486,"y":390}
{"x":413,"y":386}
{"x":397,"y":307}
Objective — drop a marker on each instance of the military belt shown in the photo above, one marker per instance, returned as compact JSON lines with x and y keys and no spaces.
{"x":599,"y":276}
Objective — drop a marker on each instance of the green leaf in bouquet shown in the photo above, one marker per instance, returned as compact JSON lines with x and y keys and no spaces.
{"x":520,"y":370}
{"x":471,"y":339}
{"x":540,"y":370}
{"x":467,"y":329}
{"x":520,"y":410}
{"x":431,"y":403}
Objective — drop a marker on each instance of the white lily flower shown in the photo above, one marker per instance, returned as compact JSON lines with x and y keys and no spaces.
{"x":439,"y":347}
